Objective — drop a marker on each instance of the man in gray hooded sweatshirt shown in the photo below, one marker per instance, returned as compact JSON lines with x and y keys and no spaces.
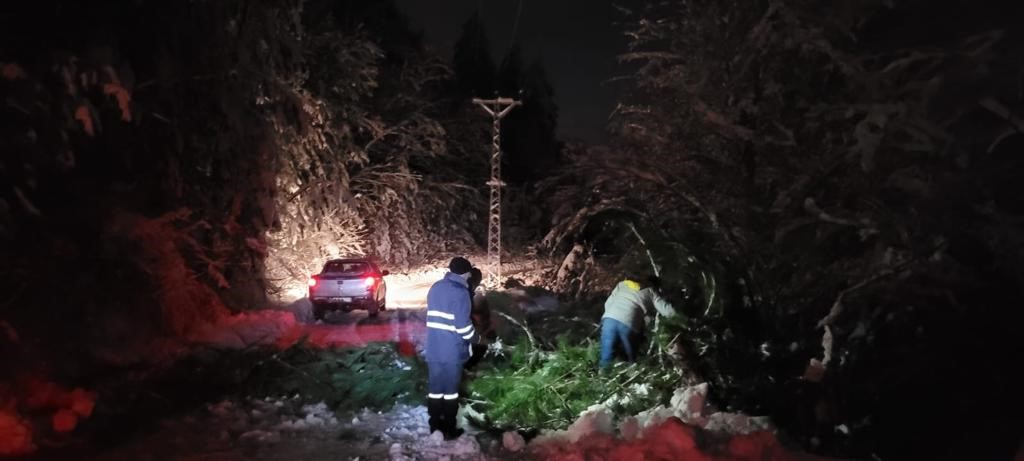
{"x":624,"y":313}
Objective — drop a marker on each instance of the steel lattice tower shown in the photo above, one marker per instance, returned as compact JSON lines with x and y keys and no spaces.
{"x":497,"y":108}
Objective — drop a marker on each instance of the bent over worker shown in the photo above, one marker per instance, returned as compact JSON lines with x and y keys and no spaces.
{"x":450,"y":334}
{"x":624,"y":313}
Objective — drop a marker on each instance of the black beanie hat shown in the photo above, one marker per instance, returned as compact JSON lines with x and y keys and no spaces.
{"x":459,"y":265}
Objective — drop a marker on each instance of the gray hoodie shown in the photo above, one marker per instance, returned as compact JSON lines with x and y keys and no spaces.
{"x":628,"y":298}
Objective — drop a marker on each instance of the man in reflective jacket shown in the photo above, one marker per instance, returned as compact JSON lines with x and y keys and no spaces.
{"x":450,"y":334}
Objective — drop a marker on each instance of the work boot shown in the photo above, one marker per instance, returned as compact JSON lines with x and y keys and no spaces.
{"x":454,"y":434}
{"x":450,"y":422}
{"x":435,"y":411}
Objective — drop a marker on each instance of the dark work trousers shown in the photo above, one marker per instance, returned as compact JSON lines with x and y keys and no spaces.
{"x":443,"y":380}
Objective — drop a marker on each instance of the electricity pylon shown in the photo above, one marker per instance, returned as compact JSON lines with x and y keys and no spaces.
{"x":498,"y":108}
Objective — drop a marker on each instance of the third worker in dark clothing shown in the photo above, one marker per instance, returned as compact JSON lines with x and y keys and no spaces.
{"x":481,"y":317}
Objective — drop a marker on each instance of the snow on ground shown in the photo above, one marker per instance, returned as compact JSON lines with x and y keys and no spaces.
{"x":286,"y":429}
{"x":410,"y":290}
{"x":246,"y":329}
{"x":688,"y":428}
{"x":670,"y":440}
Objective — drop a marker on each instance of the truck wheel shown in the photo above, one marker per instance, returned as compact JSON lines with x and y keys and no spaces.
{"x":373,"y":309}
{"x":318,"y":311}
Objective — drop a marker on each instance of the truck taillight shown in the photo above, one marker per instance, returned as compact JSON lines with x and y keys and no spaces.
{"x":312,"y":281}
{"x":369,"y":281}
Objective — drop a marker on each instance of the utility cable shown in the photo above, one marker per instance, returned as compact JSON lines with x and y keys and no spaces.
{"x":512,"y":39}
{"x":515,"y":25}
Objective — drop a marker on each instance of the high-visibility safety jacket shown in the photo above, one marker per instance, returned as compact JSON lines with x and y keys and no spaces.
{"x":449,"y":327}
{"x":628,"y":299}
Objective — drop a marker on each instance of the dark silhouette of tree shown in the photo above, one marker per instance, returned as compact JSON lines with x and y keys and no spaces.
{"x":528,"y":132}
{"x":539,"y":104}
{"x":472,"y":61}
{"x":510,"y":73}
{"x":382,"y":19}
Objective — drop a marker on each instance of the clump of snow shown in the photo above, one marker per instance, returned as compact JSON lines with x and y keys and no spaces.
{"x":260,"y":437}
{"x":815,"y":371}
{"x":407,"y":433}
{"x":657,"y":433}
{"x":273,"y":416}
{"x":670,"y":439}
{"x":629,"y":428}
{"x":626,"y":397}
{"x":596,"y":419}
{"x":222,"y":409}
{"x":512,"y":441}
{"x":246,"y":329}
{"x":282,"y":422}
{"x":434,"y":447}
{"x":653,"y":416}
{"x":496,"y":347}
{"x":406,"y":422}
{"x":319,"y":411}
{"x":401,"y":365}
{"x":315,"y":416}
{"x":737,"y":423}
{"x":689,"y":404}
{"x":689,"y":401}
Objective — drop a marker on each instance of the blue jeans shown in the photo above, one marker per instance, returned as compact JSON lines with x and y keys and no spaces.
{"x":612,"y":332}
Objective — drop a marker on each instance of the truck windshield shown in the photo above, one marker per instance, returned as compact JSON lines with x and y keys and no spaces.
{"x":346,"y":268}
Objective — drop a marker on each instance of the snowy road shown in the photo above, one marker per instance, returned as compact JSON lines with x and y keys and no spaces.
{"x":405,"y":327}
{"x":402,"y":323}
{"x":245,"y":428}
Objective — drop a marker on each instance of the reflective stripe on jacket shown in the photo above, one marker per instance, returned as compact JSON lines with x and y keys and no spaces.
{"x":449,"y":328}
{"x":628,"y":298}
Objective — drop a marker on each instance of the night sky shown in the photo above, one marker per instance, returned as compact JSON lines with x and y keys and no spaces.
{"x":577,"y":41}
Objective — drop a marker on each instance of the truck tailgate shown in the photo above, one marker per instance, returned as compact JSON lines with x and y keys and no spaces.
{"x":339,"y":287}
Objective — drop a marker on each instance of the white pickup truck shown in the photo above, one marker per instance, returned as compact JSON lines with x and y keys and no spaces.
{"x":348,"y":284}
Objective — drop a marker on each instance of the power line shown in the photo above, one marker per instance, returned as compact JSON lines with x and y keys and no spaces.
{"x":515,"y":25}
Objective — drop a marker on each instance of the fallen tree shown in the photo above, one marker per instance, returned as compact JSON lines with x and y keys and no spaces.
{"x":833,"y":194}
